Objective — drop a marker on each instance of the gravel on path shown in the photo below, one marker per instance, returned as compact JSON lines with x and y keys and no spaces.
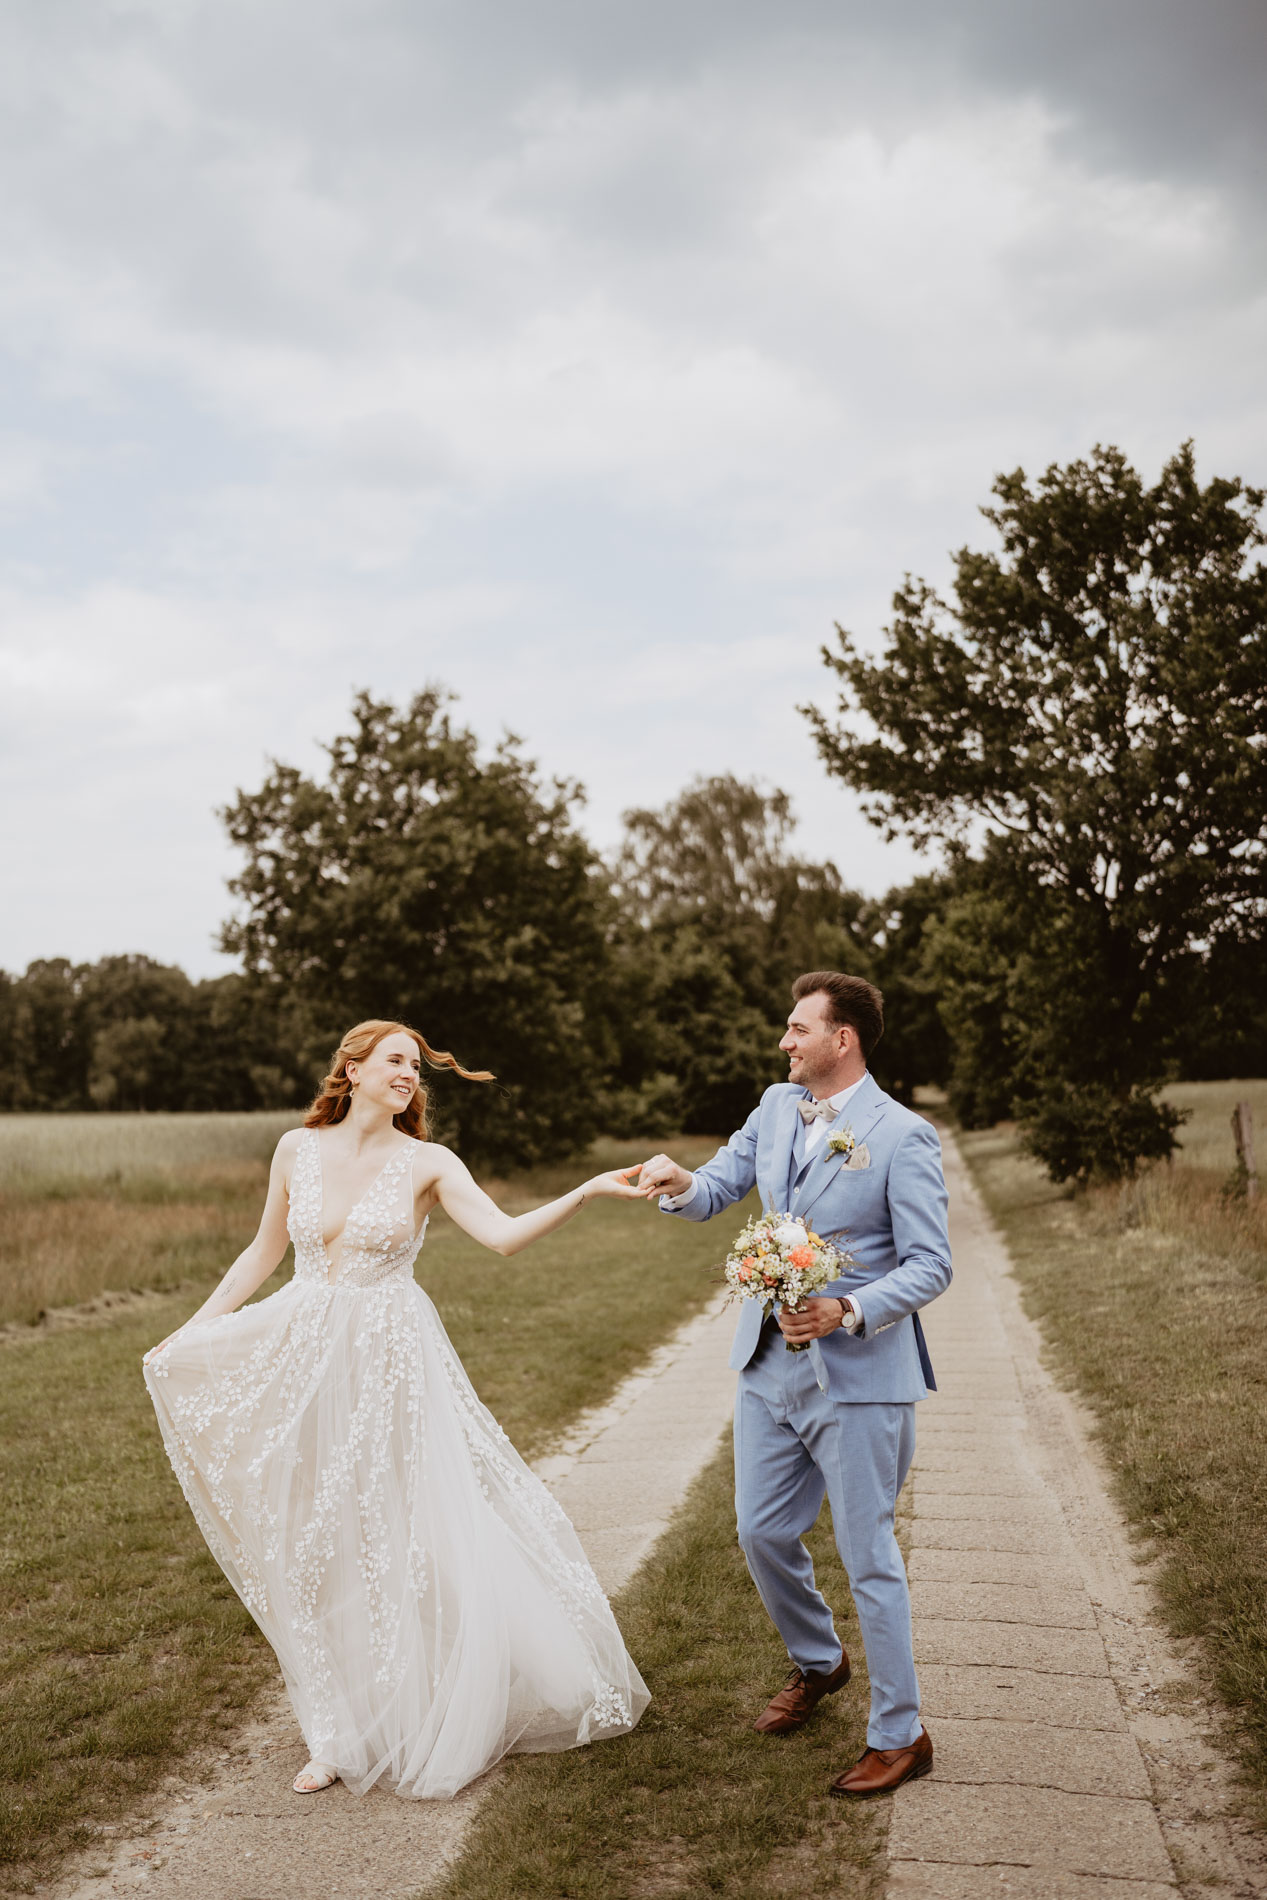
{"x":620,"y":1474}
{"x":1072,"y":1759}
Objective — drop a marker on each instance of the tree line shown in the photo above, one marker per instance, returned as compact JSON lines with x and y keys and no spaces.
{"x":635,"y":995}
{"x":1079,"y":727}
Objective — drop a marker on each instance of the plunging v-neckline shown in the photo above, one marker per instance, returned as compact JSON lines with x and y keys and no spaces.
{"x":321,"y":1207}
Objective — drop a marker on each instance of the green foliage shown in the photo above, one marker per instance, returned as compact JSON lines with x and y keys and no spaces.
{"x":915,"y":1048}
{"x":1088,"y":1133}
{"x":716,"y":918}
{"x":420,"y":880}
{"x":689,"y":1019}
{"x":1092,"y":703}
{"x":129,"y":1033}
{"x":976,"y":955}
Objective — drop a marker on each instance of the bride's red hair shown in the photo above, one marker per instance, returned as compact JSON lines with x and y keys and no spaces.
{"x":335,"y":1094}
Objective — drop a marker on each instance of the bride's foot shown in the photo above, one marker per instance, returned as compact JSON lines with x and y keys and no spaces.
{"x":315,"y":1777}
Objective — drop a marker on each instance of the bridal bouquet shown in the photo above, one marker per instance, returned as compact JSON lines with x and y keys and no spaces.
{"x":776,"y":1259}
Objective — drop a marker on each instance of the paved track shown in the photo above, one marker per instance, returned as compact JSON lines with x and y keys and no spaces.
{"x":1071,"y":1760}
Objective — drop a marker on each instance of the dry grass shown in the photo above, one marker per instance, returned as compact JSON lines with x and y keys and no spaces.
{"x":127,"y":1147}
{"x":96,"y":1202}
{"x":75,"y":1240}
{"x":1154,"y":1299}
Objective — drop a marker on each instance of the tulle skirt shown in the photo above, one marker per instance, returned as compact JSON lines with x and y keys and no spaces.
{"x":428,"y":1600}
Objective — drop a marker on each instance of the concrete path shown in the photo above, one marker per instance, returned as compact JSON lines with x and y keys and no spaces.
{"x":244,"y":1835}
{"x":1071,"y":1763}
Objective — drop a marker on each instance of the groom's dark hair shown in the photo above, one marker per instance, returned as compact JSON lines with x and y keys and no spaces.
{"x":850,"y":999}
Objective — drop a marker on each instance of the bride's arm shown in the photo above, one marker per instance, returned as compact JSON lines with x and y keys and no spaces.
{"x":265,"y":1253}
{"x":480,"y":1217}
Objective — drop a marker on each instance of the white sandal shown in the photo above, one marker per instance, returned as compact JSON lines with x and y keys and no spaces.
{"x":314,"y":1778}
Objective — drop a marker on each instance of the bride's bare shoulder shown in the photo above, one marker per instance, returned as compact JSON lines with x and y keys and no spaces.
{"x":432,"y":1150}
{"x":289,"y":1142}
{"x":433,"y":1158}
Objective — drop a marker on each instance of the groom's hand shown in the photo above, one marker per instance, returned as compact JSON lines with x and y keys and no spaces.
{"x":818,"y":1315}
{"x":660,"y":1176}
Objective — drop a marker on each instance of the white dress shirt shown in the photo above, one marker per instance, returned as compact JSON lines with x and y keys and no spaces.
{"x":815,"y":1133}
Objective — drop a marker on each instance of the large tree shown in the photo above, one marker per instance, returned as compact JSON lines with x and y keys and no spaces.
{"x":424,"y":880}
{"x":719,"y":857}
{"x":1091,"y":704}
{"x":716,"y":916}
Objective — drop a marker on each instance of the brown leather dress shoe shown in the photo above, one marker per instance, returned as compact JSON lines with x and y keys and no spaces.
{"x":880,"y":1770}
{"x":792,"y":1707}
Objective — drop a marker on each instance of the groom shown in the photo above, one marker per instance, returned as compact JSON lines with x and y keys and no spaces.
{"x":839,"y":1419}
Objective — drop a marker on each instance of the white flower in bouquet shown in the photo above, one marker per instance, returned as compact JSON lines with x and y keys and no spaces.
{"x":779,"y":1261}
{"x":790,"y":1233}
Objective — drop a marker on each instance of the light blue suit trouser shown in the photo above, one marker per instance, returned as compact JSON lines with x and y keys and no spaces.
{"x":793,"y":1446}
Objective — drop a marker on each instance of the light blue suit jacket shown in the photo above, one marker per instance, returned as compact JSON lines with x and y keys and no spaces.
{"x":889,"y":1217}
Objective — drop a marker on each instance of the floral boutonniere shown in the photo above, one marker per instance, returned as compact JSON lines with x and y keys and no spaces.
{"x":842,"y":1143}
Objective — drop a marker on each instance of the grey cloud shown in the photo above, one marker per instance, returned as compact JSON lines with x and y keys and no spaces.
{"x":364,"y":340}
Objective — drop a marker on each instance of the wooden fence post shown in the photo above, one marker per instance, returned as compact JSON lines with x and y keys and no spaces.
{"x":1243,"y":1130}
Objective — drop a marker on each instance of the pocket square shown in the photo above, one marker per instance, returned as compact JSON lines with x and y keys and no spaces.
{"x":860,"y":1158}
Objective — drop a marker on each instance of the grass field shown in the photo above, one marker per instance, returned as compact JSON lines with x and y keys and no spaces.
{"x":96,"y":1202}
{"x":1206,"y":1138}
{"x":120,"y":1643}
{"x":693,"y":1803}
{"x":1154,"y":1299}
{"x":42,"y":1148}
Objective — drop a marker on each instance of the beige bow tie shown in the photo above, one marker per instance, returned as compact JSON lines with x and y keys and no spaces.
{"x":817,"y":1111}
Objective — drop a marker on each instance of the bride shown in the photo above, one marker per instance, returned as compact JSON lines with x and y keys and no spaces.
{"x":429,"y":1603}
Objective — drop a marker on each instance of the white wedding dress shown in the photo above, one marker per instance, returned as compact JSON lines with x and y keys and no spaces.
{"x":428,"y":1600}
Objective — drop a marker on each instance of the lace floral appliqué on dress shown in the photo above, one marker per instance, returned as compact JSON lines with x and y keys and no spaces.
{"x":429,"y":1603}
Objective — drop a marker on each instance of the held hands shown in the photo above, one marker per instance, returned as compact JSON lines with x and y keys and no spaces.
{"x":614,"y":1185}
{"x":660,"y":1176}
{"x":816,"y":1316}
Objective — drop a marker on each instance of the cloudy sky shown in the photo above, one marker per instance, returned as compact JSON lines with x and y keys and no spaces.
{"x":588,"y":359}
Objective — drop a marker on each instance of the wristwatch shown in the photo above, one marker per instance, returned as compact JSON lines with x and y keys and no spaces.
{"x":850,"y":1317}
